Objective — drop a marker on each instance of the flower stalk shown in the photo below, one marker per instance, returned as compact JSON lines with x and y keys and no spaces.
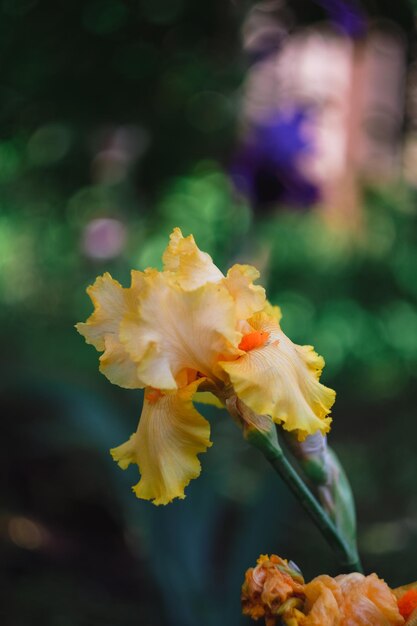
{"x":267,"y":443}
{"x":260,"y":433}
{"x":324,"y":473}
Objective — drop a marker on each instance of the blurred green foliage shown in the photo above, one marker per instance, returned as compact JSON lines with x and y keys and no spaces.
{"x":125,"y":112}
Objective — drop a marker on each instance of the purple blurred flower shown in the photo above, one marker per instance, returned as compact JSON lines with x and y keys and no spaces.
{"x":267,"y":168}
{"x":347,"y":15}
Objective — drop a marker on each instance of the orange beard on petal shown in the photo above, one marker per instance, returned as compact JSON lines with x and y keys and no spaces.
{"x":253,"y":340}
{"x":407,"y":603}
{"x":153,"y":395}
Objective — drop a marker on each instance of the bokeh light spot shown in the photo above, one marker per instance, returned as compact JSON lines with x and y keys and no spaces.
{"x":151,"y":251}
{"x":90,"y":202}
{"x":298,"y":314}
{"x":400,"y":325}
{"x":49,"y":144}
{"x":24,"y":533}
{"x":104,"y":238}
{"x":383,"y":537}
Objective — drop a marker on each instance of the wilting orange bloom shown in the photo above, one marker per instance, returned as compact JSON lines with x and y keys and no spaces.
{"x":350,"y":600}
{"x":190,"y":330}
{"x":347,"y":600}
{"x":268,"y":586}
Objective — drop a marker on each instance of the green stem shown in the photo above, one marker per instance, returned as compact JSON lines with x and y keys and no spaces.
{"x":271,"y":449}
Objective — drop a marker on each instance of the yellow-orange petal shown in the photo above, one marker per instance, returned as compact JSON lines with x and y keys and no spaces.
{"x":109,"y":299}
{"x":117,"y":366}
{"x":175,"y":329}
{"x":170,"y":435}
{"x":272,"y":310}
{"x":280,"y":379}
{"x":111,"y":303}
{"x":249,"y":298}
{"x":323,"y":600}
{"x":191,"y":267}
{"x":368,"y":600}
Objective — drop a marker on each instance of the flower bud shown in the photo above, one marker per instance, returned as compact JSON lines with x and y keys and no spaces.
{"x":271,"y":588}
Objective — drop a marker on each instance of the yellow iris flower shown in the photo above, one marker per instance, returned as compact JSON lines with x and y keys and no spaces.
{"x":189,"y":332}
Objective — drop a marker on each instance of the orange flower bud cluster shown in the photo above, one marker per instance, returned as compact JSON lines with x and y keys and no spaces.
{"x":276,"y":592}
{"x":268,"y":587}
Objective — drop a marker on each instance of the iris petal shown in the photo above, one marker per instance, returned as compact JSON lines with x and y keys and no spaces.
{"x":249,"y":298}
{"x":280,"y":379}
{"x":174,"y":329}
{"x":191,"y":267}
{"x":111,"y":303}
{"x":170,"y":435}
{"x":109,"y":300}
